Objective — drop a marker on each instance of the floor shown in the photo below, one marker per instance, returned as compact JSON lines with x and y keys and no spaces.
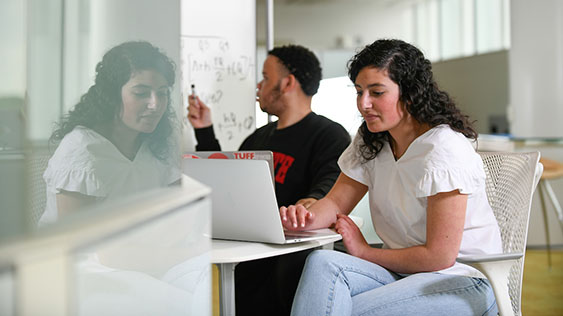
{"x":542,"y":290}
{"x":215,"y":298}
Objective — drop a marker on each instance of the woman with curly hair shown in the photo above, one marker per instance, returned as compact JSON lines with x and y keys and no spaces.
{"x":426,"y":187}
{"x":118,"y":139}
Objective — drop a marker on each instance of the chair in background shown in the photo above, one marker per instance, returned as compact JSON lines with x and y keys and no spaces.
{"x":37,"y":161}
{"x":511,"y":180}
{"x":551,"y":170}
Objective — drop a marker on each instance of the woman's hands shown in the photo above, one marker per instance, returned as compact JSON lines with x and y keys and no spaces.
{"x":296,"y":217}
{"x":352,"y":237}
{"x":341,"y":199}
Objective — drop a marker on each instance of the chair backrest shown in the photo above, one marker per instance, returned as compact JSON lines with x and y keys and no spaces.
{"x":36,"y":196}
{"x":511,"y":180}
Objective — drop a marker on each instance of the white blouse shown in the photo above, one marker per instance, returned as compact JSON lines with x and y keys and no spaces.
{"x":440,"y":160}
{"x":88,"y":163}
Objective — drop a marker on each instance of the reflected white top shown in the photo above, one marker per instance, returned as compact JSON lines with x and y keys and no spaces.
{"x":88,"y":163}
{"x":440,"y":160}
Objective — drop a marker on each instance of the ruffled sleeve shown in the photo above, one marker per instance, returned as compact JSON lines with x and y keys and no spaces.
{"x":83,"y":181}
{"x":466,"y":180}
{"x":76,"y":165}
{"x":450,"y":163}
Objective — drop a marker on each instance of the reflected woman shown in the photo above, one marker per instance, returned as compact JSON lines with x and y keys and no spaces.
{"x":119,"y":139}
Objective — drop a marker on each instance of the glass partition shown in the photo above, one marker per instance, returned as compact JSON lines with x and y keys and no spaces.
{"x":7,"y":299}
{"x":12,"y":116}
{"x":160,"y":267}
{"x":147,"y":254}
{"x":101,"y":103}
{"x":77,"y":129}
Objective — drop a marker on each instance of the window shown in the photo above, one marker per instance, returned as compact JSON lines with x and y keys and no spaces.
{"x":446,"y":29}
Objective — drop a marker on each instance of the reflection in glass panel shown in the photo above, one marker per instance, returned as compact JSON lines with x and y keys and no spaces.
{"x":7,"y":292}
{"x":12,"y":116}
{"x":159,"y":268}
{"x":43,"y":98}
{"x":106,"y":128}
{"x":44,"y":63}
{"x":120,"y":138}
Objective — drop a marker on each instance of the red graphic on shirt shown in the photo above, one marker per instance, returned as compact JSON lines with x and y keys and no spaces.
{"x":282,"y":163}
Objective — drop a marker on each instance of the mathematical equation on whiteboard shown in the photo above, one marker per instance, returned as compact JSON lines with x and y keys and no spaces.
{"x":220,"y":66}
{"x":229,"y":124}
{"x":211,"y":58}
{"x":224,"y":80}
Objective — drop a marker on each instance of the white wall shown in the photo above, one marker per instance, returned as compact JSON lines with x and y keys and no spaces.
{"x":536,"y":68}
{"x":478,"y":84}
{"x":536,"y":93}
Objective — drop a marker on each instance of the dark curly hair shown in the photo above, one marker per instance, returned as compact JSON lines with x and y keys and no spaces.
{"x":301,"y":63}
{"x":102,"y":103}
{"x":418,"y":90}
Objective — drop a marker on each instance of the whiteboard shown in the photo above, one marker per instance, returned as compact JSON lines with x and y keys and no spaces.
{"x":218,"y":56}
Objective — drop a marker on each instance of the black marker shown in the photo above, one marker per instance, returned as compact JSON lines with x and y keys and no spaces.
{"x":193,"y":93}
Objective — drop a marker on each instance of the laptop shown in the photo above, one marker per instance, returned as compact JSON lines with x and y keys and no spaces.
{"x":244,"y":203}
{"x":241,"y":154}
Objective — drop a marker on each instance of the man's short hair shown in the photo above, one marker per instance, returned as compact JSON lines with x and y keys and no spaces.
{"x":301,"y":63}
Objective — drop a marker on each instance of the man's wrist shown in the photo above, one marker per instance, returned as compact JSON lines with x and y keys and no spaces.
{"x":204,"y":132}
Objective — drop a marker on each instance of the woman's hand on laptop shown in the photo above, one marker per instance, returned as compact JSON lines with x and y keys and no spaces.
{"x":296,"y":217}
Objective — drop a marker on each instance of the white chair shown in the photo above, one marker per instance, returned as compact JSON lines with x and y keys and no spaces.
{"x":36,"y":197}
{"x":511,"y":180}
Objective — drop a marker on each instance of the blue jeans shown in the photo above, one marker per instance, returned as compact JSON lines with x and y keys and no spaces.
{"x":335,"y":283}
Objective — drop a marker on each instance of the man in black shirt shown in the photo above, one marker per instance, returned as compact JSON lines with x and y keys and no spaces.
{"x":306,"y":148}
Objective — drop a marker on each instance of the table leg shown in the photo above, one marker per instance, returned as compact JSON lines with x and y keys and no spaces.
{"x":554,"y":202}
{"x":227,"y":291}
{"x":545,"y":224}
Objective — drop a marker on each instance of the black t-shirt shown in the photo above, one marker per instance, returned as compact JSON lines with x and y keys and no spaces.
{"x":305,"y":154}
